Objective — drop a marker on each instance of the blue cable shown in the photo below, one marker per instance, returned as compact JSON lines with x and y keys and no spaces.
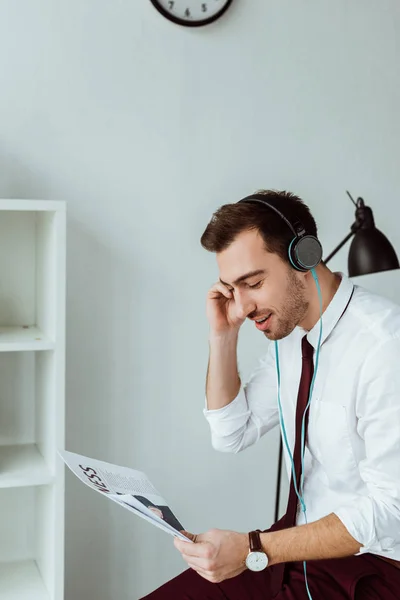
{"x":302,"y":447}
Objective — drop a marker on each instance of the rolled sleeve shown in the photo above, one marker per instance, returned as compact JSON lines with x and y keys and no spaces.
{"x":228,"y":423}
{"x":374,"y":519}
{"x":364,"y":523}
{"x":250,"y":415}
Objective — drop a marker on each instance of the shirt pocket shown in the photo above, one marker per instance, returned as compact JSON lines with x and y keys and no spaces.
{"x":329,"y":438}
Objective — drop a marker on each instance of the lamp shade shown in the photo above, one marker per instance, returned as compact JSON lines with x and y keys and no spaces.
{"x":370,"y":250}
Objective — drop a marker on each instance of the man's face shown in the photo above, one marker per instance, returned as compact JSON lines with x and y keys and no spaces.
{"x":277,"y":290}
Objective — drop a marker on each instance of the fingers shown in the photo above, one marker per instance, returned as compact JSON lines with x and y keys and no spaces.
{"x":196,"y":562}
{"x":189,"y":535}
{"x":219,"y":288}
{"x":198,"y":550}
{"x":203,"y":572}
{"x":211,"y":576}
{"x":202,"y":566}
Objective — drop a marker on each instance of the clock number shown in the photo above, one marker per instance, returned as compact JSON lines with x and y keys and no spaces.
{"x":191,"y":13}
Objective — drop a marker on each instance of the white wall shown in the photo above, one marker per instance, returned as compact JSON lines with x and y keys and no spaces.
{"x":145,"y":128}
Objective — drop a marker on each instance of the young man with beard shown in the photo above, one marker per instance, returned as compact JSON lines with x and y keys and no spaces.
{"x":349,"y":434}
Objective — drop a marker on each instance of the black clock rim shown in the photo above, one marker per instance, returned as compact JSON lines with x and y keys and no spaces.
{"x":178,"y":21}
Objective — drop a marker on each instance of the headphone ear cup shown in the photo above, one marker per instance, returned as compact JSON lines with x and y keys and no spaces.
{"x":305,"y":252}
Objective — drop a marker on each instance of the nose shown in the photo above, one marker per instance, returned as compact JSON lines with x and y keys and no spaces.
{"x":243,"y":306}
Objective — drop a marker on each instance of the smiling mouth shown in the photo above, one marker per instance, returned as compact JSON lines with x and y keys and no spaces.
{"x":263,"y":319}
{"x":264,"y":323}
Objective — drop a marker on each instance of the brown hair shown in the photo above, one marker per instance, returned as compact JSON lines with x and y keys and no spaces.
{"x":231,"y":219}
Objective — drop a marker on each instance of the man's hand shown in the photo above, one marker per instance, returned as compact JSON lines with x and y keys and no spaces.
{"x":222,"y":312}
{"x":216,"y":555}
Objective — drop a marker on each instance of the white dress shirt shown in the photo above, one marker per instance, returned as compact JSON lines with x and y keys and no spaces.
{"x":352,"y":453}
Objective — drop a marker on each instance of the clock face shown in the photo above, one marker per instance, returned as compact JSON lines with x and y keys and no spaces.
{"x":192,"y":13}
{"x":256,"y":561}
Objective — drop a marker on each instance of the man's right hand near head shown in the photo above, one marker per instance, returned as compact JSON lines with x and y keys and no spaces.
{"x":222,"y":311}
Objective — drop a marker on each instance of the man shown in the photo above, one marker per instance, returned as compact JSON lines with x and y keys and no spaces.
{"x":350,"y":532}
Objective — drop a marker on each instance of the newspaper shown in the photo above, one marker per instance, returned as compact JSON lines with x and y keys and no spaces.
{"x":129,"y":488}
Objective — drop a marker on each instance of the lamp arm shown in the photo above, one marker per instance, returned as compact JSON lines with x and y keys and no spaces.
{"x":353,"y":230}
{"x":342,"y":243}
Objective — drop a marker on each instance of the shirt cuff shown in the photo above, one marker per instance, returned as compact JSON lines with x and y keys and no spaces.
{"x":359,"y":521}
{"x":230,"y":418}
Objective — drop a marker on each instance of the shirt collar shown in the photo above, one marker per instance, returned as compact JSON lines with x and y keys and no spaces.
{"x":333,"y":311}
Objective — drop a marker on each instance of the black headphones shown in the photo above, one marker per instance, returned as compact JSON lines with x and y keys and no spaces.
{"x":304,"y":251}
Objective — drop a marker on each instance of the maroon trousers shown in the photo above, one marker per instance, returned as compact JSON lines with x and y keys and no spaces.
{"x":364,"y":577}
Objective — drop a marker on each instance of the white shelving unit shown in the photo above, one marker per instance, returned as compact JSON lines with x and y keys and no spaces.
{"x":32,"y":399}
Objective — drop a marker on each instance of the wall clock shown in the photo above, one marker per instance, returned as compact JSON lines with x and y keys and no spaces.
{"x":192,"y":13}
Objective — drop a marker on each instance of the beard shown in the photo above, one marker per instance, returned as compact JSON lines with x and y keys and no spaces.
{"x":295,"y":307}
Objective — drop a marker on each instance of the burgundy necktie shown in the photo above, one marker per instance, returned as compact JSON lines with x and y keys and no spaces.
{"x":302,"y":399}
{"x":289,"y":519}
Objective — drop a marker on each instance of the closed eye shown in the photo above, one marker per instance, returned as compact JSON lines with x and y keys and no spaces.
{"x":256,"y":285}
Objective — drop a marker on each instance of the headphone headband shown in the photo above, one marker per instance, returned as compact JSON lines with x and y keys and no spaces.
{"x":260,"y":198}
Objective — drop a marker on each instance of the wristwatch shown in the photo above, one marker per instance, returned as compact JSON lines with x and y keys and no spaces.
{"x":256,"y":559}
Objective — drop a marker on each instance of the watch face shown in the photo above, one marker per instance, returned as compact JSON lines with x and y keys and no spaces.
{"x":256,"y":561}
{"x":192,"y":13}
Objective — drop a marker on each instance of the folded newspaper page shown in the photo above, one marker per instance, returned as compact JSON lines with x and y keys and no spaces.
{"x":129,"y":488}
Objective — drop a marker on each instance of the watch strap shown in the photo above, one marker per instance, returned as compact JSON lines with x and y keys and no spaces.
{"x":255,"y":541}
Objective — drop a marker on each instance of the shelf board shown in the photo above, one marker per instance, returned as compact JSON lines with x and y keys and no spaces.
{"x":21,"y":581}
{"x":23,"y":466}
{"x":23,"y":338}
{"x":32,"y":205}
